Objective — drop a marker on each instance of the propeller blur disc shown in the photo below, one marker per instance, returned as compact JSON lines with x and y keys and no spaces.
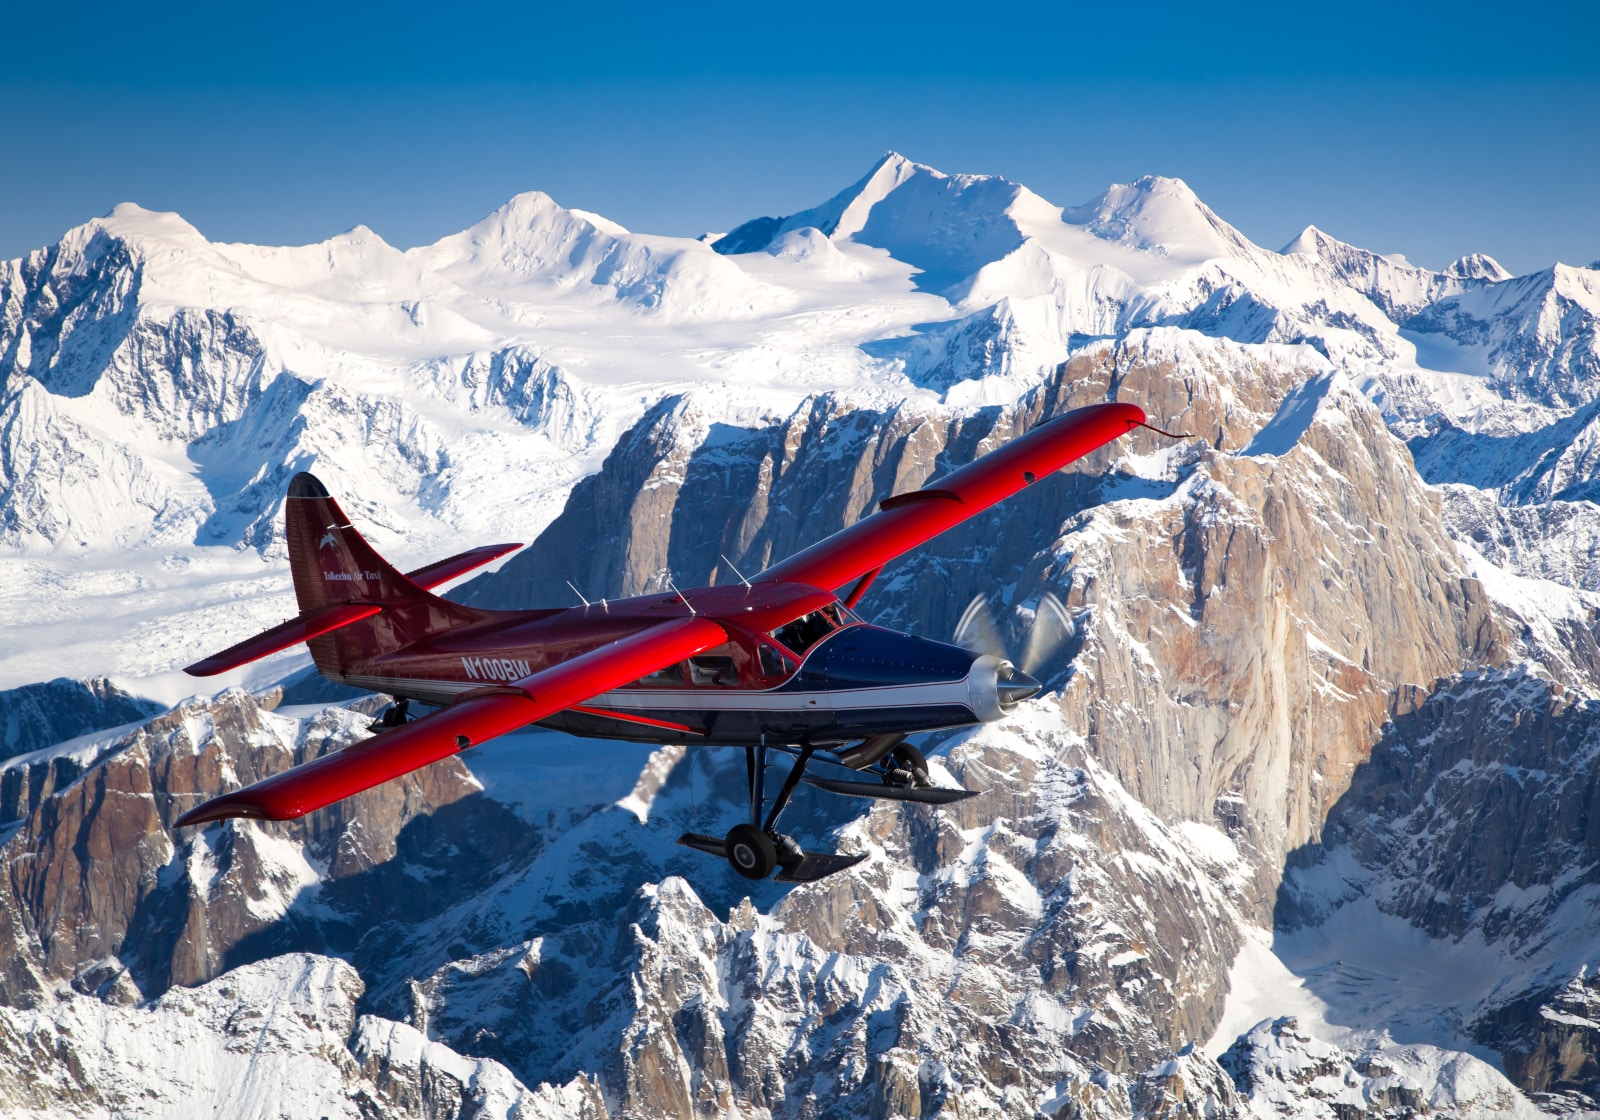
{"x":1051,"y":628}
{"x":977,"y":630}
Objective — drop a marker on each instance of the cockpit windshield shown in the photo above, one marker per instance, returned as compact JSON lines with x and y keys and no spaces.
{"x":807,"y":630}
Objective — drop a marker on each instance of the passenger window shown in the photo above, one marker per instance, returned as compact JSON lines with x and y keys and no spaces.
{"x":670,"y":677}
{"x":713,"y":672}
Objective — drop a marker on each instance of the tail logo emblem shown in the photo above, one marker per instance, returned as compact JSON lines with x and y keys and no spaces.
{"x":328,"y":541}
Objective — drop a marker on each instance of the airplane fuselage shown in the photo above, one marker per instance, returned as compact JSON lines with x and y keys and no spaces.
{"x":824,"y":679}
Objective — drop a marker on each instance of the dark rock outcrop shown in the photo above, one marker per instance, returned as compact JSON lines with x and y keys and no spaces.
{"x":40,"y":715}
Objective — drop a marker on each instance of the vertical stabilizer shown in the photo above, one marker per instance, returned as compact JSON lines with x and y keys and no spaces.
{"x":330,"y":560}
{"x":333,"y":564}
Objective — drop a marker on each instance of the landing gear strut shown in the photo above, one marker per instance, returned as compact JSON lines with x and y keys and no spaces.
{"x":905,"y":766}
{"x":755,"y":847}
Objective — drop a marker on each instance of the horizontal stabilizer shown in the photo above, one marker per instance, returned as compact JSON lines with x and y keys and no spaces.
{"x":443,"y":571}
{"x":700,"y":842}
{"x":814,"y":865}
{"x":300,"y":629}
{"x":927,"y":795}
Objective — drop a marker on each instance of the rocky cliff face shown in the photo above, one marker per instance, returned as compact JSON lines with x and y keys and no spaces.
{"x":1474,"y":821}
{"x":101,"y":894}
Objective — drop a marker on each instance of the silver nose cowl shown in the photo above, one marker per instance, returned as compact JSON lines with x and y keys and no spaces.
{"x":1013,"y":686}
{"x":994,"y":687}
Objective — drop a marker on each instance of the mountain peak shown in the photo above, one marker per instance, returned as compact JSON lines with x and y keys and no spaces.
{"x":1342,"y":255}
{"x":527,"y":231}
{"x":130,"y":221}
{"x":1311,"y":240}
{"x":526,"y":208}
{"x":1165,"y":185}
{"x":531,"y":209}
{"x":1159,"y":214}
{"x":1477,"y":266}
{"x":895,"y":164}
{"x":848,"y":212}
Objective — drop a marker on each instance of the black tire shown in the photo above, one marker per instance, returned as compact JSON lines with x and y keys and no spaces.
{"x":750,"y":851}
{"x":905,"y":765}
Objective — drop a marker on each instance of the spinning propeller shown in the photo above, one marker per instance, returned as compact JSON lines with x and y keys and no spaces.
{"x":1050,"y":627}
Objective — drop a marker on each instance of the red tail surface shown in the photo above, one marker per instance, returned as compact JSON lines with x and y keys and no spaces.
{"x":331,"y":562}
{"x":354,"y":604}
{"x":333,"y":565}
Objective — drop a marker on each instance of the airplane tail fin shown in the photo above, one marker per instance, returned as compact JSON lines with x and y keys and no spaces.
{"x":354,"y":604}
{"x":331,"y":562}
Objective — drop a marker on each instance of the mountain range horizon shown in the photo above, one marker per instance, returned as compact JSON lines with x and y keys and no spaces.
{"x":890,"y":158}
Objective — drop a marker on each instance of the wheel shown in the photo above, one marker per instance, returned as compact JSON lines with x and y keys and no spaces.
{"x":750,"y":851}
{"x":906,"y":766}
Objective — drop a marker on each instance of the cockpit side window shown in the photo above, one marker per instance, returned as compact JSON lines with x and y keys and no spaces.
{"x":807,"y":630}
{"x":774,"y":663}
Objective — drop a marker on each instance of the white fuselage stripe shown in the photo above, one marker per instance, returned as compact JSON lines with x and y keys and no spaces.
{"x":738,"y":700}
{"x":718,"y":700}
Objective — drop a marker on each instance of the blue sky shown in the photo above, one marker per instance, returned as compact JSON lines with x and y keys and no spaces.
{"x":1431,"y":130}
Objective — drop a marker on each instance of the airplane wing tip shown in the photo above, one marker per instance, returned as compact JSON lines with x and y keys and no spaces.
{"x":229,"y":805}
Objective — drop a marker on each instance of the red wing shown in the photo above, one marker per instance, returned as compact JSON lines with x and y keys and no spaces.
{"x":907,"y":520}
{"x":282,"y":636}
{"x":443,"y":571}
{"x":466,"y":723}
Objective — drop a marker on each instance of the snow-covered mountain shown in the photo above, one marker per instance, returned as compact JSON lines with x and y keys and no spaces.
{"x":1318,"y":746}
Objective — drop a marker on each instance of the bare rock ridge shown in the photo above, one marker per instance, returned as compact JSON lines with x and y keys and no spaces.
{"x":42,"y":715}
{"x":110,"y":893}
